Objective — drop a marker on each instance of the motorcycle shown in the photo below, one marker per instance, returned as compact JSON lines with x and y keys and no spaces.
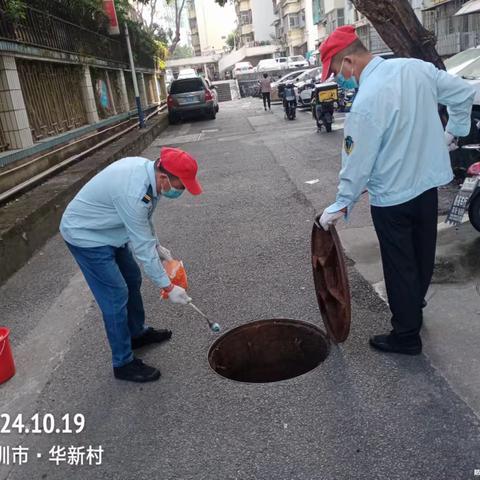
{"x":324,"y":98}
{"x":345,"y":100}
{"x":289,"y":101}
{"x":468,"y":197}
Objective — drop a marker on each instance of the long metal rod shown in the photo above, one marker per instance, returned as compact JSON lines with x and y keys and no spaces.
{"x":37,"y":179}
{"x":141,"y":120}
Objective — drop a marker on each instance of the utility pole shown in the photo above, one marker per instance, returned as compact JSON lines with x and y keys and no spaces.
{"x":141,"y":118}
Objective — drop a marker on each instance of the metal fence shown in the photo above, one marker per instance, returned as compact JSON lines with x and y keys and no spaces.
{"x":150,"y":89}
{"x":52,"y":94}
{"x":3,"y":141}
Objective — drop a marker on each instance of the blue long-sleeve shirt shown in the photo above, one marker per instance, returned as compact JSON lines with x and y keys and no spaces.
{"x":394,"y":143}
{"x":113,"y":209}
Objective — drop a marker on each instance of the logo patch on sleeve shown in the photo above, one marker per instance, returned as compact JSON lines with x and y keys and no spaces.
{"x":349,"y":144}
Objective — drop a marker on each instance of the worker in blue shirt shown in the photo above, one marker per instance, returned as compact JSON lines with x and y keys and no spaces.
{"x":110,"y":214}
{"x":395,"y":147}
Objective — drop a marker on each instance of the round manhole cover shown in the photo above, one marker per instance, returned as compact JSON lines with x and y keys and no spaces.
{"x":269,"y":351}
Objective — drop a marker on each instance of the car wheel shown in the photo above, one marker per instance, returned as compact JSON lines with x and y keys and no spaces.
{"x":217,"y":108}
{"x":474,"y":213}
{"x":213,"y":114}
{"x":172,"y":119}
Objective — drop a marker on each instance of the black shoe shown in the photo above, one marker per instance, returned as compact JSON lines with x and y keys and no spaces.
{"x":394,"y":344}
{"x":136,"y":371}
{"x":151,"y":336}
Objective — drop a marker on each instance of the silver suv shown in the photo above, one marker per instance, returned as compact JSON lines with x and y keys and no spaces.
{"x":191,"y":96}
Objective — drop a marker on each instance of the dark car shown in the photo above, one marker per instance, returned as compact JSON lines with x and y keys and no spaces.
{"x":190,"y":97}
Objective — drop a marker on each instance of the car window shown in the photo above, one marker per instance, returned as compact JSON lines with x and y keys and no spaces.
{"x":187,"y":85}
{"x":297,"y":58}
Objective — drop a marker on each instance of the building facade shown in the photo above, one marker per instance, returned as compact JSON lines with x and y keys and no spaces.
{"x":255,"y":22}
{"x":193,"y":23}
{"x":454,"y":33}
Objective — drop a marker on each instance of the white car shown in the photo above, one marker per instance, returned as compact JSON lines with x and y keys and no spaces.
{"x":297,"y":61}
{"x":242,"y":67}
{"x":282,"y":62}
{"x":267,"y":65}
{"x":187,"y":73}
{"x":466,"y":64}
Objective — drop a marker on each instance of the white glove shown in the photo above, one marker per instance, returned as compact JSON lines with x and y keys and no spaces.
{"x":328,"y":219}
{"x":177,"y":295}
{"x":450,"y":141}
{"x":164,"y":253}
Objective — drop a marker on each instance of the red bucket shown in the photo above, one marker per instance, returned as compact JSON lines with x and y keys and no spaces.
{"x":7,"y":366}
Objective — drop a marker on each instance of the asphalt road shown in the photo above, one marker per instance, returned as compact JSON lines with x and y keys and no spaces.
{"x":245,"y":242}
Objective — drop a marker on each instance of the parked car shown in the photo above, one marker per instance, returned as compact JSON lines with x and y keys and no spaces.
{"x":466,"y":64}
{"x":297,"y":61}
{"x":282,"y":62}
{"x":266,"y":65}
{"x":190,"y":97}
{"x":276,"y":86}
{"x":187,"y":73}
{"x":305,"y":84}
{"x":242,"y":67}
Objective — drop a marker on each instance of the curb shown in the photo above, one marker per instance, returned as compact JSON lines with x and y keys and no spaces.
{"x":29,"y":221}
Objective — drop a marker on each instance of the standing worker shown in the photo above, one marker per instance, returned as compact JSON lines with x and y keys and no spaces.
{"x":112,"y":211}
{"x":394,"y":145}
{"x":266,"y":88}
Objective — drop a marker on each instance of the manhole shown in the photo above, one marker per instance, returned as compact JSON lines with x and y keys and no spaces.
{"x":269,"y":351}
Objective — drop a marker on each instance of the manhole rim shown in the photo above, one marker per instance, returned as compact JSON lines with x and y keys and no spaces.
{"x":325,"y":336}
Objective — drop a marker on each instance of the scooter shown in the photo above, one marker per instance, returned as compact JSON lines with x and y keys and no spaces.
{"x":324,"y":97}
{"x":468,"y":198}
{"x":289,"y":101}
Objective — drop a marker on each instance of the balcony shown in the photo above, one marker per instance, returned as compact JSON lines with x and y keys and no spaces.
{"x":246,"y":29}
{"x":244,"y":6}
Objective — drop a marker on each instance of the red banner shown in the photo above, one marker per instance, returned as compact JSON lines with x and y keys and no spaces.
{"x":109,"y":9}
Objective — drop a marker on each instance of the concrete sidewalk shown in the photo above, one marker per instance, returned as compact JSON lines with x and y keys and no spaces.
{"x":452,"y":318}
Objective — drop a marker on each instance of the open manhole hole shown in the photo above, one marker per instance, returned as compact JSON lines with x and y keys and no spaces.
{"x":269,"y":351}
{"x":274,"y":350}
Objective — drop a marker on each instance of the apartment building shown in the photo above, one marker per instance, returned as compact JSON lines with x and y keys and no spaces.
{"x":454,"y":33}
{"x":291,"y":26}
{"x":255,"y":22}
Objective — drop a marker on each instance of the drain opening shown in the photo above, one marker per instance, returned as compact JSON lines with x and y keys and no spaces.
{"x":269,"y":351}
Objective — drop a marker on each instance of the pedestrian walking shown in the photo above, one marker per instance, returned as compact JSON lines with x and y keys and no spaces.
{"x":110,"y":217}
{"x":266,"y":89}
{"x":395,"y":146}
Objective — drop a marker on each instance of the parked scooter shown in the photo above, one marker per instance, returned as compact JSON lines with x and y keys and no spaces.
{"x":324,"y":97}
{"x":345,"y":100}
{"x":468,"y":198}
{"x":289,"y":101}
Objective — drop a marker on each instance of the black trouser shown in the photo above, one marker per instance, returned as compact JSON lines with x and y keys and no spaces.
{"x":408,"y":235}
{"x":266,"y":97}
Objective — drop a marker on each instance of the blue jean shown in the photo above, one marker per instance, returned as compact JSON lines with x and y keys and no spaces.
{"x":115,"y":279}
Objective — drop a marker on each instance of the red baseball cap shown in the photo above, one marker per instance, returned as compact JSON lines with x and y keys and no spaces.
{"x":337,"y":41}
{"x":182,"y":165}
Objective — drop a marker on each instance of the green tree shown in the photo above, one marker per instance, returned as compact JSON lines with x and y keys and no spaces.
{"x":182,"y":51}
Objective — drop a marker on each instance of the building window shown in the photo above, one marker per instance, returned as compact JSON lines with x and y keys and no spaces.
{"x":341,"y":17}
{"x":246,"y":17}
{"x":293,"y":21}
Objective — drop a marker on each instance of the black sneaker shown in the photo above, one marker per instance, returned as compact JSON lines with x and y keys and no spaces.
{"x":392,"y":343}
{"x":136,"y":371}
{"x":151,"y":336}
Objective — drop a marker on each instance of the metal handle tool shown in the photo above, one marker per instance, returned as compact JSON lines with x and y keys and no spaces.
{"x":215,"y":327}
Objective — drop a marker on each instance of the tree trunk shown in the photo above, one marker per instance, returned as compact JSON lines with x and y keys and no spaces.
{"x":179,"y":4}
{"x":400,"y":29}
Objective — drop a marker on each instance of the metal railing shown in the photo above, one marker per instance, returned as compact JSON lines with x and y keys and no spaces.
{"x":40,"y":29}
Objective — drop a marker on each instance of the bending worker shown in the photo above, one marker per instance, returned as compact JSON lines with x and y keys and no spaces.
{"x":395,"y":146}
{"x":108,"y":215}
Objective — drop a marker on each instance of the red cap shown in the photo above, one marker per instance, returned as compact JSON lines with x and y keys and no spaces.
{"x":337,"y":41}
{"x":182,"y":165}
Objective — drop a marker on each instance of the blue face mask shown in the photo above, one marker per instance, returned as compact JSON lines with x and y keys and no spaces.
{"x":344,"y":83}
{"x":173,"y":193}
